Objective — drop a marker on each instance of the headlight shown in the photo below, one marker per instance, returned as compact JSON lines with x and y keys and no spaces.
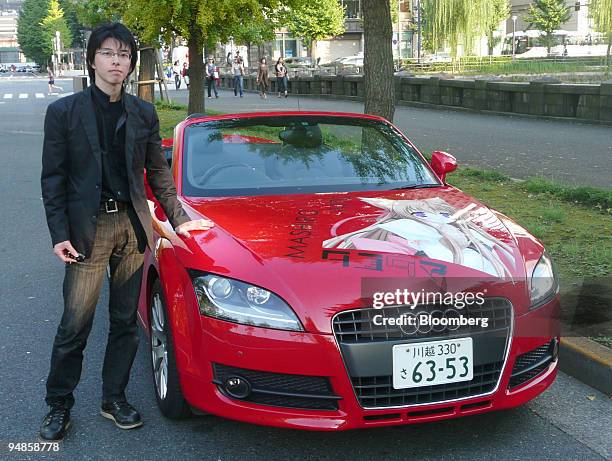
{"x":236,"y":301}
{"x":543,"y":283}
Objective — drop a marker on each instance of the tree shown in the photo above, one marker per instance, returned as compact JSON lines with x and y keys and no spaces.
{"x":500,"y":11}
{"x":52,"y":23}
{"x":378,"y":59}
{"x":548,"y":16}
{"x":316,"y":20}
{"x":455,"y":22}
{"x":200,"y":22}
{"x":255,"y":33}
{"x":601,"y":13}
{"x":29,"y":33}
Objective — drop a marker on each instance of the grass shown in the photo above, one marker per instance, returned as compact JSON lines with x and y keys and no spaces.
{"x":575,"y":223}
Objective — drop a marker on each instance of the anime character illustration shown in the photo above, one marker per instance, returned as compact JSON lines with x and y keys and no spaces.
{"x":431,"y":228}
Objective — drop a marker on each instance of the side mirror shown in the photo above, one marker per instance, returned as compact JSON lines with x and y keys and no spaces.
{"x":443,"y":163}
{"x":167,"y":144}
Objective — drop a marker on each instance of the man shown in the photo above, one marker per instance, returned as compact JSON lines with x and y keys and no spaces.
{"x":97,"y":144}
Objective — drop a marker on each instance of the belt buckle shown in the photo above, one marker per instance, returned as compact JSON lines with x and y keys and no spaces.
{"x":113,"y":209}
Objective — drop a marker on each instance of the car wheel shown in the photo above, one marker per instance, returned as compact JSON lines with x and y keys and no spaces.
{"x":165,"y":373}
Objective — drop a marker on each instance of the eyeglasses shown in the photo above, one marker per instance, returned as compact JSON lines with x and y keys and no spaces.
{"x":108,"y":54}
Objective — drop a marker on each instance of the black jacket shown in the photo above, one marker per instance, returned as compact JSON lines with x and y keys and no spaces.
{"x":71,"y":178}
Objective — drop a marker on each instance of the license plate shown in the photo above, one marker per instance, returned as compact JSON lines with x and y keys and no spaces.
{"x":431,"y":363}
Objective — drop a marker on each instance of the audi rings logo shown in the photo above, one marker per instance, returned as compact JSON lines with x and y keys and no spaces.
{"x":436,"y":321}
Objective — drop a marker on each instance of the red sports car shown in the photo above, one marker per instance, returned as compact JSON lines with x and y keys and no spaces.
{"x":344,"y":285}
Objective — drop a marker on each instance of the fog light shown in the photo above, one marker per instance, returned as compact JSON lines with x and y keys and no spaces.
{"x":237,"y":387}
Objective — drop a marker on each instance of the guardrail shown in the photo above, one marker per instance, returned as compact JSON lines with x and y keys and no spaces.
{"x":541,"y":97}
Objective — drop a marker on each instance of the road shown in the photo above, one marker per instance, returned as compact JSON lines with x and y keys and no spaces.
{"x":565,"y":151}
{"x":570,"y":421}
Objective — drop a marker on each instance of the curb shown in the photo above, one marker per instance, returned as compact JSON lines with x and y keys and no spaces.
{"x":587,"y":361}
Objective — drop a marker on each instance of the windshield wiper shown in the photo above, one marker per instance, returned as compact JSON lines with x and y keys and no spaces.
{"x":417,"y":186}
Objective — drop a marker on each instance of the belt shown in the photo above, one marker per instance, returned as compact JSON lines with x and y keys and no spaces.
{"x":113,"y":206}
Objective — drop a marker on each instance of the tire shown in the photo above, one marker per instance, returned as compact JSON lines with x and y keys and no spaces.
{"x":166,"y":382}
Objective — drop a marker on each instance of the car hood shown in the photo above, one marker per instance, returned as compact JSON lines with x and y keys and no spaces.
{"x":323,"y":250}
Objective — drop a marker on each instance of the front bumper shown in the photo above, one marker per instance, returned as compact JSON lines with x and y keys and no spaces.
{"x":232,"y":346}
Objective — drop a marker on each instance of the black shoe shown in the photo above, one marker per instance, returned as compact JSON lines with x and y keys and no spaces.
{"x":56,"y":424}
{"x":124,"y":414}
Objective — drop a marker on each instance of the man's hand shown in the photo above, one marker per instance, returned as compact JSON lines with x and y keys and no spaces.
{"x":66,"y":252}
{"x":197,"y":224}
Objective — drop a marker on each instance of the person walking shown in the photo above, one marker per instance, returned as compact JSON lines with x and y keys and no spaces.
{"x":281,"y":76}
{"x":51,"y":81}
{"x":262,"y":78}
{"x":176,"y":71}
{"x":97,"y":145}
{"x":185,"y":74}
{"x":210,"y":70}
{"x":238,"y":73}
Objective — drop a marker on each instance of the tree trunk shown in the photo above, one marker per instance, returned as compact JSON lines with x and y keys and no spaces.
{"x":196,"y":72}
{"x":147,"y":72}
{"x":313,"y":51}
{"x":378,"y":59}
{"x":608,"y":62}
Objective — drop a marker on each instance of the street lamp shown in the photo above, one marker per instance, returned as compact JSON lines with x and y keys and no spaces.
{"x":514,"y":18}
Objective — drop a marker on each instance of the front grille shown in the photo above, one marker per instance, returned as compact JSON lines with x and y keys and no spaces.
{"x":378,"y":391}
{"x":281,"y":390}
{"x":529,"y":365}
{"x":367,"y":351}
{"x":357,"y":326}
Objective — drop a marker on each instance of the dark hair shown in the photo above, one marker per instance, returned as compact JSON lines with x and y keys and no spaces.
{"x":110,"y":30}
{"x":263,"y":59}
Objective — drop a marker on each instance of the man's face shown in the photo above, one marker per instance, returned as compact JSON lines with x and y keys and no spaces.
{"x":112,"y":62}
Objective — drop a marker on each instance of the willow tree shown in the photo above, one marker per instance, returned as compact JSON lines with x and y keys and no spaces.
{"x":455,"y":23}
{"x":601,"y":13}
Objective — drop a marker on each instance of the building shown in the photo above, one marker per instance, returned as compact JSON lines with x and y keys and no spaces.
{"x":9,"y":47}
{"x":579,"y":22}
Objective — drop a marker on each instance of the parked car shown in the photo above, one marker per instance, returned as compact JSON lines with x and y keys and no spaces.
{"x":275,"y":315}
{"x":299,"y":62}
{"x":436,"y":58}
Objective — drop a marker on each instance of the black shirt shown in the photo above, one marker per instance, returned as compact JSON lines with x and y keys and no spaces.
{"x":110,"y":118}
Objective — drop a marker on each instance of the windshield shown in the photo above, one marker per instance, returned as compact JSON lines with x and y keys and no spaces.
{"x":297,"y":154}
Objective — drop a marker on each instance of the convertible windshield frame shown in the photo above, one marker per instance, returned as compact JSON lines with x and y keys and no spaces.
{"x":396,"y":139}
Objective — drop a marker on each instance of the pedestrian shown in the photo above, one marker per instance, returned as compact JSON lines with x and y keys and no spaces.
{"x":281,"y":76}
{"x":239,"y":58}
{"x":51,"y":82}
{"x":176,"y":70}
{"x":210,"y":70}
{"x":97,"y":145}
{"x":185,"y":74}
{"x":262,"y":78}
{"x":238,"y":73}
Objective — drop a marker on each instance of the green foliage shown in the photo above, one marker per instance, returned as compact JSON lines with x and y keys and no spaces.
{"x":316,"y":19}
{"x":55,"y":22}
{"x":456,"y":22}
{"x":601,"y":13}
{"x":501,"y":11}
{"x":75,"y":26}
{"x":548,"y":16}
{"x":92,"y":13}
{"x":29,"y":33}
